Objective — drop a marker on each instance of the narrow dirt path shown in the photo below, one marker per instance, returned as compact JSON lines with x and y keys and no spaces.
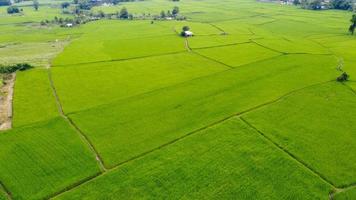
{"x":7,"y":192}
{"x":340,"y":190}
{"x":7,"y":92}
{"x":84,"y":138}
{"x":186,"y":44}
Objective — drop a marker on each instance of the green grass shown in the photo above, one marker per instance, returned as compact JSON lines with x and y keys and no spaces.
{"x":33,"y":98}
{"x":346,"y":195}
{"x":132,"y":86}
{"x":85,"y":86}
{"x":228,"y":161}
{"x":36,"y":54}
{"x":126,"y":128}
{"x":293,"y":45}
{"x":316,"y":125}
{"x":45,"y":158}
{"x":3,"y":195}
{"x":237,"y":55}
{"x":197,"y":42}
{"x":125,"y":41}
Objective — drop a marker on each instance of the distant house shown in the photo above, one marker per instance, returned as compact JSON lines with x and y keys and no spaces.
{"x":188,"y":34}
{"x":69,"y":25}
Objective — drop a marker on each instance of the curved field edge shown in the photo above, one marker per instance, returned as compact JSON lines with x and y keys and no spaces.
{"x":229,"y":160}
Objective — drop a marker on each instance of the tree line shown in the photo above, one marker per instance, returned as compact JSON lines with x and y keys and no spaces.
{"x":322,"y":4}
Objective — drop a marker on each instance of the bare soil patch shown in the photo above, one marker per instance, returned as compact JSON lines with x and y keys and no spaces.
{"x":6,"y":95}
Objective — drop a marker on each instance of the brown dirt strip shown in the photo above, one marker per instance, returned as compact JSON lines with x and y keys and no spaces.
{"x":340,"y":190}
{"x":6,"y":97}
{"x":7,"y":192}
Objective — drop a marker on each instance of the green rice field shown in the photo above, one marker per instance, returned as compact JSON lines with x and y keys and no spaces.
{"x":247,"y":108}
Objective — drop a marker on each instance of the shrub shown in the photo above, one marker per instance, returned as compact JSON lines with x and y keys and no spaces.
{"x":124,"y":14}
{"x":185,"y":28}
{"x":343,"y":77}
{"x":13,"y":68}
{"x":65,"y":5}
{"x":13,"y":9}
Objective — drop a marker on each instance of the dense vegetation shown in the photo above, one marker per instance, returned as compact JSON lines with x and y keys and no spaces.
{"x":323,"y":4}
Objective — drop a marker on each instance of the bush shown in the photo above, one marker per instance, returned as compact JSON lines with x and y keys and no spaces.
{"x":65,"y":5}
{"x":13,"y":68}
{"x":13,"y":9}
{"x":343,"y":77}
{"x":342,"y":4}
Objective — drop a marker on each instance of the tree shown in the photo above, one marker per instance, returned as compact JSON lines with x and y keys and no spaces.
{"x":84,"y":5}
{"x":175,"y":11}
{"x":124,"y":14}
{"x":13,"y":9}
{"x":296,"y":2}
{"x":311,"y":4}
{"x":5,"y":2}
{"x":36,"y":4}
{"x":101,"y":14}
{"x":315,"y":4}
{"x":342,"y":4}
{"x":163,"y":14}
{"x":65,"y":5}
{"x":343,"y":77}
{"x":184,"y":29}
{"x":353,"y":24}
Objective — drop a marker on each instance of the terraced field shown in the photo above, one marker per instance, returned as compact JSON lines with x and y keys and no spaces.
{"x":248,"y":108}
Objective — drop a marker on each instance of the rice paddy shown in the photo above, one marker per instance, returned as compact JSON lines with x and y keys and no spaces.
{"x":247,"y":108}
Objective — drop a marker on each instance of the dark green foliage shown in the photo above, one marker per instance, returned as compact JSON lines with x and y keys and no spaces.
{"x":13,"y":68}
{"x":5,"y":3}
{"x":163,"y":14}
{"x":13,"y":9}
{"x":36,"y":4}
{"x":65,"y":5}
{"x":296,"y":2}
{"x":341,"y":4}
{"x":186,"y":28}
{"x":175,"y":11}
{"x":353,"y":24}
{"x":311,"y":4}
{"x":343,"y":77}
{"x":84,"y":5}
{"x":101,"y":14}
{"x":124,"y":14}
